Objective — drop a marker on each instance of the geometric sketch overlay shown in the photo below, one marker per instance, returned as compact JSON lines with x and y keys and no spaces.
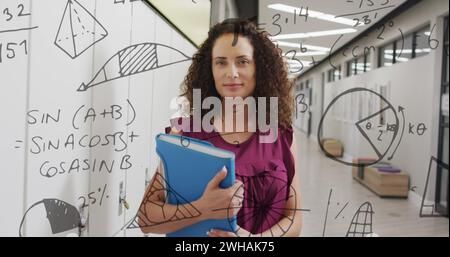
{"x":379,"y":128}
{"x":61,"y":215}
{"x":183,"y":210}
{"x":428,"y":210}
{"x":364,"y":124}
{"x":135,"y":59}
{"x":264,"y":208}
{"x":361,"y":224}
{"x":78,"y":30}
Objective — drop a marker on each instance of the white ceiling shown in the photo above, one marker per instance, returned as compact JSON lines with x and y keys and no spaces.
{"x":332,"y":7}
{"x":192,"y":17}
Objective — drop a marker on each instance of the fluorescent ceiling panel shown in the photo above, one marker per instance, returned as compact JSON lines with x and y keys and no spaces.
{"x":312,"y":14}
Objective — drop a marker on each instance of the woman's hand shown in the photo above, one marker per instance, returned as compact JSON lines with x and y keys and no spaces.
{"x":219,"y":203}
{"x":220,"y":233}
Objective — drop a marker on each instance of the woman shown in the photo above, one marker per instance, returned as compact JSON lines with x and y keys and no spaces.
{"x":237,"y":60}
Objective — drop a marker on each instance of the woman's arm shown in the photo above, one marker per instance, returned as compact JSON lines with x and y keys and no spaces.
{"x":155,"y":213}
{"x":293,"y":205}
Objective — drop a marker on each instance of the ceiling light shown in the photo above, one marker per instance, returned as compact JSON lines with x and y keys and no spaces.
{"x":296,"y":45}
{"x":409,"y":51}
{"x":314,"y":34}
{"x":399,"y":59}
{"x":313,"y":14}
{"x":298,"y":54}
{"x":293,"y":63}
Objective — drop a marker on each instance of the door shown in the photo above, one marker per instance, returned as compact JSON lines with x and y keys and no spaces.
{"x":442,"y":178}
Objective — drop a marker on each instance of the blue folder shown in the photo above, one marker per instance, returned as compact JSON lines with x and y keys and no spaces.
{"x":189,"y":164}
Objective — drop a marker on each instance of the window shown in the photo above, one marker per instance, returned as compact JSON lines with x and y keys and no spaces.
{"x":386,"y":57}
{"x":415,"y":45}
{"x":351,"y":68}
{"x":407,"y":52}
{"x":330,"y":75}
{"x":334,"y":74}
{"x":358,"y":66}
{"x":367,"y":63}
{"x":442,"y":178}
{"x":420,"y":45}
{"x":337,"y":73}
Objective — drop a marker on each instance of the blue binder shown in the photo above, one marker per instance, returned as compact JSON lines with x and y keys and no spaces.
{"x":189,"y":164}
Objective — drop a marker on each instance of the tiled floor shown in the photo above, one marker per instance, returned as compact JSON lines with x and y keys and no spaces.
{"x":319,"y":175}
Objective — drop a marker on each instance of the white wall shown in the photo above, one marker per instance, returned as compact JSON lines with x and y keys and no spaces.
{"x":414,"y":85}
{"x":45,"y":80}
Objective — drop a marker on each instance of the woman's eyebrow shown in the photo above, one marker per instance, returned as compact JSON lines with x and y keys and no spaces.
{"x":244,"y":56}
{"x":238,"y":57}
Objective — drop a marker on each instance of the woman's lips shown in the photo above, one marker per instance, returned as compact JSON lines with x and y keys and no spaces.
{"x":233,"y":85}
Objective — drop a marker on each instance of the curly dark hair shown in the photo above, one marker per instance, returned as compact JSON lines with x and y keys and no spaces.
{"x":271,"y":70}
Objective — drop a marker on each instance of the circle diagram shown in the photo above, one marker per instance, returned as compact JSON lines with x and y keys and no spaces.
{"x":374,"y":125}
{"x":263,"y":210}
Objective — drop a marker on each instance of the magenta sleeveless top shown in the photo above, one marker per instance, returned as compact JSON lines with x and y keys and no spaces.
{"x":265,"y":169}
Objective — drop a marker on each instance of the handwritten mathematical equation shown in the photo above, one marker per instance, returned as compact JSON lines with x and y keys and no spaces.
{"x":11,"y":17}
{"x":50,"y":169}
{"x":11,"y":50}
{"x":14,"y":18}
{"x":94,"y":197}
{"x":300,"y":105}
{"x":84,"y":114}
{"x":278,"y":19}
{"x":358,"y":50}
{"x":10,"y":14}
{"x":118,"y":141}
{"x":296,"y":64}
{"x":367,"y":10}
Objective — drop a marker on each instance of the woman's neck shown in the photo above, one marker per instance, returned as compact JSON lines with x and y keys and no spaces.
{"x":238,"y":120}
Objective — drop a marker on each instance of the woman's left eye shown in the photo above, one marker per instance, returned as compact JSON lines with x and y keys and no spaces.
{"x":243,"y":61}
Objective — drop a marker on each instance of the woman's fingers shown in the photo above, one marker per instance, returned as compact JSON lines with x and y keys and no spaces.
{"x":236,"y":206}
{"x":215,"y":181}
{"x":237,"y":190}
{"x":220,"y":233}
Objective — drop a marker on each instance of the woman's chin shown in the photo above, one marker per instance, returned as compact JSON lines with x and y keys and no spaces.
{"x":234,"y":93}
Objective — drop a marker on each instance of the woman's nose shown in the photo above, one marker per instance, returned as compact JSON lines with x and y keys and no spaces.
{"x":232,"y":72}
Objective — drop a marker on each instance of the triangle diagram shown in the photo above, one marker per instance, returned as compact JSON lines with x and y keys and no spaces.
{"x":376,"y":135}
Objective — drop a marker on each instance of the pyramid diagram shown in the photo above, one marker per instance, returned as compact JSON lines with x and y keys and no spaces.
{"x":78,"y":30}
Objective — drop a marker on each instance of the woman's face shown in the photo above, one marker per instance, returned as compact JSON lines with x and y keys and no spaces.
{"x":233,"y":67}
